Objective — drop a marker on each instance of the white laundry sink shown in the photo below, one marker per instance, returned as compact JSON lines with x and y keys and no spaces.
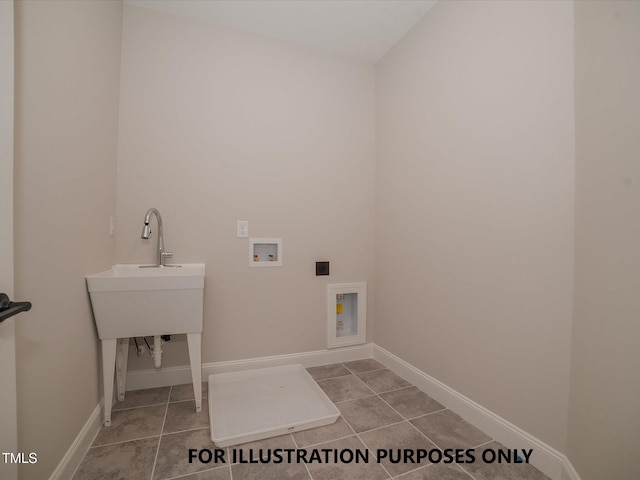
{"x":129,"y":301}
{"x":137,"y":301}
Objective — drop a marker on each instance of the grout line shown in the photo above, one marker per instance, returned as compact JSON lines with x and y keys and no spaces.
{"x":383,"y":426}
{"x":183,"y":431}
{"x":369,"y":449}
{"x":182,"y":475}
{"x":397,"y":423}
{"x":365,"y":384}
{"x":330,"y":378}
{"x":402,"y":388}
{"x":366,"y":446}
{"x":361,"y":441}
{"x":382,"y":367}
{"x":314,"y":445}
{"x":425,"y":436}
{"x":431,"y":413}
{"x":353,"y":399}
{"x":366,"y":371}
{"x":394,"y":390}
{"x":123,"y":441}
{"x":153,"y":467}
{"x":389,"y":405}
{"x":295,"y":444}
{"x":431,"y":465}
{"x":442,"y":449}
{"x":413,"y":470}
{"x":465,"y":471}
{"x":188,"y":400}
{"x":484,"y":443}
{"x":372,"y":453}
{"x":138,"y":406}
{"x":164,"y":420}
{"x":425,"y":414}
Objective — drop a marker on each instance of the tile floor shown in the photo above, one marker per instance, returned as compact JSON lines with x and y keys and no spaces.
{"x":152,"y":431}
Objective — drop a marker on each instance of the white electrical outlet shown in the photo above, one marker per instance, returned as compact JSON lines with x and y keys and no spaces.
{"x":112,"y":226}
{"x":243,"y":228}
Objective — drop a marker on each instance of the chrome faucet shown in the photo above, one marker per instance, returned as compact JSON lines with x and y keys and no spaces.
{"x":161,"y":255}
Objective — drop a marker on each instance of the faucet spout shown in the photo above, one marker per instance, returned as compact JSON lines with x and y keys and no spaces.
{"x":161,"y":255}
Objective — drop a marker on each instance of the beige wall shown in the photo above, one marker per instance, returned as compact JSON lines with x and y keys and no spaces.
{"x":604,"y":415}
{"x":474,"y":205}
{"x":8,"y":400}
{"x":217,"y":126}
{"x":67,"y":74}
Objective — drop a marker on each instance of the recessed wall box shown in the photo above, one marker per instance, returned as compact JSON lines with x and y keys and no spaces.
{"x":265,"y":252}
{"x":322,"y":268}
{"x":346,"y":314}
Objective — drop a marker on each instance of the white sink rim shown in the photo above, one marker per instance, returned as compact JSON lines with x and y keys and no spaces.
{"x":125,"y":277}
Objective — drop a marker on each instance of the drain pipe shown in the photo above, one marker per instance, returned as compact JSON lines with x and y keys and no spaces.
{"x":157,"y":351}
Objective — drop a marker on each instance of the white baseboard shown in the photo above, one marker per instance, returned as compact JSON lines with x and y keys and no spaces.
{"x":80,"y":446}
{"x":569,"y":473}
{"x":545,"y":458}
{"x":162,"y":377}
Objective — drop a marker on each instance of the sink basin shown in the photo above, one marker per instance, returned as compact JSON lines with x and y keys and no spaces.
{"x":129,"y":301}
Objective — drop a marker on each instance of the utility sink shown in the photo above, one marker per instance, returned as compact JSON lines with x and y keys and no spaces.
{"x":131,"y":300}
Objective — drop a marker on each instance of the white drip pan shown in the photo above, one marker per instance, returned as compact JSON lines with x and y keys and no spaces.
{"x":256,"y":404}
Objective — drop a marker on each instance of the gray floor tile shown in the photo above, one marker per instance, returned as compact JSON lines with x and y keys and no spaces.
{"x":402,"y":443}
{"x":132,"y":459}
{"x":482,"y":470}
{"x":313,"y":436}
{"x":328,"y":371}
{"x":254,"y":450}
{"x":344,"y":388}
{"x":343,"y":470}
{"x":220,"y":473}
{"x":397,"y":417}
{"x":269,"y":471}
{"x":383,"y":380}
{"x":180,"y":393}
{"x":448,"y":430}
{"x":366,"y":365}
{"x":132,"y":424}
{"x":436,"y":472}
{"x":367,"y":413}
{"x":183,"y":416}
{"x":143,"y":398}
{"x":173,"y":454}
{"x":411,"y":402}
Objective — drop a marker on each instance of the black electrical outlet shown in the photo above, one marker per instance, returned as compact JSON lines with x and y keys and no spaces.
{"x":322,"y":268}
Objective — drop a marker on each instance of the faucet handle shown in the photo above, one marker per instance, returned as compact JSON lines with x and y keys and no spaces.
{"x":167,"y":254}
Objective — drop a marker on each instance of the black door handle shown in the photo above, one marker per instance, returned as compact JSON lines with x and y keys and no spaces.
{"x":9,"y":308}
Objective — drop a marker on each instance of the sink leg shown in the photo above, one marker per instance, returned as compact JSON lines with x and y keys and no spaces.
{"x":108,"y":369}
{"x":195,"y":359}
{"x":122,"y":355}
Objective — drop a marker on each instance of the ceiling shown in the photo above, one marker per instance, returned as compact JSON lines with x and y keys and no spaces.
{"x":361,"y":29}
